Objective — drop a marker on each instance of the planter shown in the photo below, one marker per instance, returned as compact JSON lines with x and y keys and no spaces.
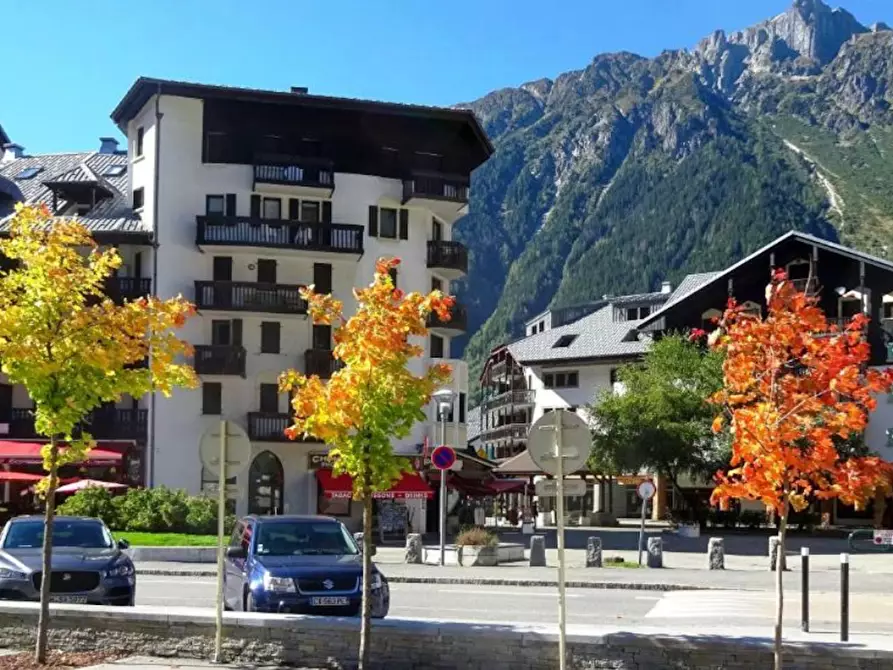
{"x":470,"y":556}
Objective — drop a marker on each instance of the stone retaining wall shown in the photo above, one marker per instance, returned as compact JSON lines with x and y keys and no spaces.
{"x":407,"y":645}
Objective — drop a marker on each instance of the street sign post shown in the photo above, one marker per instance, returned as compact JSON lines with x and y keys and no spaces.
{"x":559,"y":443}
{"x":548,"y":488}
{"x":645,"y":490}
{"x":224,"y":451}
{"x":443,"y":458}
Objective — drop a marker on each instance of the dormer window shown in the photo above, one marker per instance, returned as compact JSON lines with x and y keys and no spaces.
{"x":564,"y":341}
{"x":636,"y":313}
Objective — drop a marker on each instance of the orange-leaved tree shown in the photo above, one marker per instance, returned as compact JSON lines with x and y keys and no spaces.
{"x":73,"y":348}
{"x":795,"y":384}
{"x":373,"y":398}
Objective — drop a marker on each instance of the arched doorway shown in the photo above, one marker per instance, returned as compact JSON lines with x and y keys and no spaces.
{"x":265,"y":484}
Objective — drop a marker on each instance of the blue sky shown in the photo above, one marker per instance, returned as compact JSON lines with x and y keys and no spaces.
{"x":68,"y":63}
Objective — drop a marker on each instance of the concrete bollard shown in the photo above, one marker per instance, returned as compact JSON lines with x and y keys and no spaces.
{"x":594,"y":552}
{"x":774,"y":546}
{"x":655,"y":552}
{"x":413,"y":548}
{"x":716,"y":554}
{"x":537,"y":551}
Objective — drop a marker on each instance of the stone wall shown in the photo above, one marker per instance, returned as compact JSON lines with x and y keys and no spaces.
{"x":407,"y":645}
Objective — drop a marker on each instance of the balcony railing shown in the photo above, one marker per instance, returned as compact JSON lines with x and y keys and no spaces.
{"x":220,"y":359}
{"x":448,"y":255}
{"x":120,"y":289}
{"x":243,"y":296}
{"x":510,"y":398}
{"x":458,"y":319}
{"x":244,"y":231}
{"x":320,"y":362}
{"x":268,"y":427}
{"x":294,"y":174}
{"x":436,"y":187}
{"x":512,"y":431}
{"x":102,"y":424}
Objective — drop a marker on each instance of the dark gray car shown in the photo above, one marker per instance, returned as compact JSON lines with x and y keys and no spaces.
{"x":88,"y":566}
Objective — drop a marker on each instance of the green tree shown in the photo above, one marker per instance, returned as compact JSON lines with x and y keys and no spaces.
{"x":661,"y":419}
{"x":373,"y":399}
{"x":73,"y":349}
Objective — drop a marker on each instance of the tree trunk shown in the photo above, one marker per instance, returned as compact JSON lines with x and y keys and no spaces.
{"x":779,"y":589}
{"x":43,"y":623}
{"x":366,"y":614}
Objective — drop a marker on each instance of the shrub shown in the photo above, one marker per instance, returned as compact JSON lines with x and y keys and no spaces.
{"x":93,"y":501}
{"x":477,"y":537}
{"x":752,"y":518}
{"x":201,"y":515}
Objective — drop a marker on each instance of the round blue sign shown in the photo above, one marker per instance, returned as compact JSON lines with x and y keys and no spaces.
{"x":443,"y":457}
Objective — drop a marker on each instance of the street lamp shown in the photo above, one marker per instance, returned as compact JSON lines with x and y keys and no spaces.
{"x":444,"y":399}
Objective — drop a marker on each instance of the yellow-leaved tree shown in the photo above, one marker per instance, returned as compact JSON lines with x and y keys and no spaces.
{"x":374,"y":398}
{"x":73,"y":348}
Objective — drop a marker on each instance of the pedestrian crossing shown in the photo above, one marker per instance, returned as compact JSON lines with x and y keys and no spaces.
{"x":713,"y":605}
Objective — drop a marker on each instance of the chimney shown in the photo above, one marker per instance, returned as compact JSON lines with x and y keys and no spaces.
{"x":11,"y":151}
{"x":299,"y":90}
{"x":666,"y":287}
{"x":108,"y":145}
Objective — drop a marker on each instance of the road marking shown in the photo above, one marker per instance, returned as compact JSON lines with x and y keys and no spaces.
{"x":648,"y":597}
{"x":712,"y":604}
{"x":518,"y":594}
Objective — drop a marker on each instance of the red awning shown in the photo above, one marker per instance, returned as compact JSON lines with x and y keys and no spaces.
{"x":410,"y":485}
{"x":508,"y":485}
{"x":19,"y":477}
{"x":29,"y":452}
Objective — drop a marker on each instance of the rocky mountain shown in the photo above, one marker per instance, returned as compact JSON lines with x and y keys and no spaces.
{"x":633,"y":170}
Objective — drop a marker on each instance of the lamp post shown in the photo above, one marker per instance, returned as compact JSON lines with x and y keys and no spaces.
{"x":444,"y":399}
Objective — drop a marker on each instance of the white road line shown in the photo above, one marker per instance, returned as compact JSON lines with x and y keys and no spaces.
{"x":712,"y":604}
{"x":518,"y":594}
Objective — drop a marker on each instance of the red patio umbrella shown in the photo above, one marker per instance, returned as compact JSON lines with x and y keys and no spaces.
{"x":8,"y":476}
{"x":82,"y":484}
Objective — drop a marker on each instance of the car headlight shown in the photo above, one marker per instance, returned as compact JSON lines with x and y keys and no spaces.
{"x":6,"y":573}
{"x":376,"y":580}
{"x":278,"y":584}
{"x":120,"y":570}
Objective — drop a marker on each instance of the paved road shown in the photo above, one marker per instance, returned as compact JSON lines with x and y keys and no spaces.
{"x":698,"y":610}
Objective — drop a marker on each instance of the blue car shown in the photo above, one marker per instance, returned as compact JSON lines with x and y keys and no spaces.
{"x":299,"y":565}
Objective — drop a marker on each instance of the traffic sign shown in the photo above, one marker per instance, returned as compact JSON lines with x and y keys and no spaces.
{"x":238,"y":449}
{"x":548,"y":488}
{"x":575,"y":442}
{"x":443,"y":457}
{"x":882,"y":537}
{"x":646,"y":490}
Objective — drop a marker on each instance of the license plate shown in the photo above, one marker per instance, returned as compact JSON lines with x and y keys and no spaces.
{"x":79,"y":600}
{"x":329,"y":601}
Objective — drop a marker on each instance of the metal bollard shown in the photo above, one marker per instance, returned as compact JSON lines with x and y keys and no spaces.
{"x":844,"y":597}
{"x":804,"y":610}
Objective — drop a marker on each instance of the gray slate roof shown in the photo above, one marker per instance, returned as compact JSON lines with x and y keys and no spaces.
{"x":473,"y":423}
{"x":111,"y":215}
{"x":598,"y":336}
{"x":690,"y":284}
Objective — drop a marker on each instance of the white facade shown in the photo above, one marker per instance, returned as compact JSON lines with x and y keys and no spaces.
{"x":183,"y":181}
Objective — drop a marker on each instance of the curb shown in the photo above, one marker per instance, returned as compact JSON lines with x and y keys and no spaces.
{"x":483,"y":581}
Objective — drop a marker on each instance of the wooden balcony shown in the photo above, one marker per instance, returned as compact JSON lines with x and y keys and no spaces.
{"x":103,"y":424}
{"x":450,"y":258}
{"x":320,"y":362}
{"x":457,"y":324}
{"x":445,"y":195}
{"x":295,"y":175}
{"x":510,"y":432}
{"x":121,"y":289}
{"x":268,"y":426}
{"x":521,"y":398}
{"x":236,"y":232}
{"x":243,"y":296}
{"x":220,"y":359}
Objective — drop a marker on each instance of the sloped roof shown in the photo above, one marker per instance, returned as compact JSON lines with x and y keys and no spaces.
{"x":473,"y":423}
{"x":690,"y":284}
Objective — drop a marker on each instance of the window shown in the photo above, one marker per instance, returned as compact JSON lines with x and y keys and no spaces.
{"x":322,"y":337}
{"x":636,"y":313}
{"x":387,"y":222}
{"x":461,"y":408}
{"x":561,"y":380}
{"x":436,"y":284}
{"x":887,"y":310}
{"x":266,"y":271}
{"x":272,"y":208}
{"x":28,"y":173}
{"x":139,"y":197}
{"x":322,"y":277}
{"x":436,"y":230}
{"x":269,"y":337}
{"x":215,"y":205}
{"x":140,"y":132}
{"x":542,"y":326}
{"x":114,"y":171}
{"x":223,"y":268}
{"x":309,"y":211}
{"x":269,"y":398}
{"x":331,"y":506}
{"x":436,"y":346}
{"x":563,"y":341}
{"x":221,"y":333}
{"x":393,"y":273}
{"x":212,"y":393}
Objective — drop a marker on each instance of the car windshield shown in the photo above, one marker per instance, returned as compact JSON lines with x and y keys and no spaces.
{"x":301,"y":538}
{"x":80,"y":533}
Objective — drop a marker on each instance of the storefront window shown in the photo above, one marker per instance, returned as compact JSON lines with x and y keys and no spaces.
{"x":332,"y":506}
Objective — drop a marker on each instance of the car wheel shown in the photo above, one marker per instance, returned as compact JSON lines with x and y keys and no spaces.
{"x":381,"y":602}
{"x":250,"y":605}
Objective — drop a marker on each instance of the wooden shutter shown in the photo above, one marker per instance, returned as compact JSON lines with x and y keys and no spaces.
{"x":211,"y":397}
{"x":322,"y":277}
{"x":231,"y":204}
{"x":223,"y":268}
{"x":255,"y":206}
{"x":294,"y":209}
{"x":327,"y":211}
{"x":269,"y":398}
{"x":237,"y":332}
{"x":266,"y":271}
{"x":373,"y":221}
{"x":269,"y":337}
{"x":404,"y":224}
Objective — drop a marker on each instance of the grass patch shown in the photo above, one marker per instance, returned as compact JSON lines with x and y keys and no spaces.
{"x":166,"y":539}
{"x":618,"y":562}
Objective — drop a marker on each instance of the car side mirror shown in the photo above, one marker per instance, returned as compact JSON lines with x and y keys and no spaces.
{"x":123,"y":544}
{"x":236,"y":552}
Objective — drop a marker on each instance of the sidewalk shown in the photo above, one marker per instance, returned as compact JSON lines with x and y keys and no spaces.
{"x":145,"y":663}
